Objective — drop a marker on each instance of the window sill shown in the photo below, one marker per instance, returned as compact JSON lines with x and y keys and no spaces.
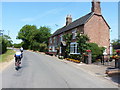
{"x":74,"y":53}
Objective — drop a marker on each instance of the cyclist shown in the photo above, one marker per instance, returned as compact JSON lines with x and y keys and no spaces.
{"x":18,"y":56}
{"x":21,"y":49}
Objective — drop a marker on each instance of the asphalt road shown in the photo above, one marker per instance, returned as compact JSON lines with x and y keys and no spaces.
{"x":41,"y":71}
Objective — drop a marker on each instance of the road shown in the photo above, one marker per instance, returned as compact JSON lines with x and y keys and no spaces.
{"x":42,"y":71}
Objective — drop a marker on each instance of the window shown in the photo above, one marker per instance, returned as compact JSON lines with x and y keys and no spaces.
{"x":50,"y":40}
{"x":54,"y":40}
{"x":74,"y":34}
{"x":53,"y":48}
{"x":61,"y":38}
{"x":73,"y":48}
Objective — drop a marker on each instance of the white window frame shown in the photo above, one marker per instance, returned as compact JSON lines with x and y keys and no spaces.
{"x":50,"y":40}
{"x":61,"y":37}
{"x":74,"y":34}
{"x":54,"y":40}
{"x":60,"y":50}
{"x":72,"y":45}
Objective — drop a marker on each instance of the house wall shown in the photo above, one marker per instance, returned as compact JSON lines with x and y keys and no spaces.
{"x":58,"y":42}
{"x":98,"y":31}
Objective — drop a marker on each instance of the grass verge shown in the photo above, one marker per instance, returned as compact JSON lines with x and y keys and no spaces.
{"x":9,"y":55}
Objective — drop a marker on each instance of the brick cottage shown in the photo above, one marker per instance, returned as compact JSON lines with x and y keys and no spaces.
{"x":92,"y":24}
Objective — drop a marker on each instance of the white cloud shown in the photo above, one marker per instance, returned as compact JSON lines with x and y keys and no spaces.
{"x":39,"y":16}
{"x":27,"y":19}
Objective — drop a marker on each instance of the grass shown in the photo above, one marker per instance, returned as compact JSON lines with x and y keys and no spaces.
{"x":9,"y":55}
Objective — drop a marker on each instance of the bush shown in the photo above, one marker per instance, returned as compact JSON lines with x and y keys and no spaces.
{"x":43,"y":47}
{"x":35,"y":46}
{"x":75,"y":56}
{"x":97,"y":52}
{"x":17,"y":45}
{"x":3,"y":46}
{"x":60,"y":57}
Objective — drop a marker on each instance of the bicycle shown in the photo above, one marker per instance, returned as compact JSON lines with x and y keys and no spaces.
{"x":17,"y":64}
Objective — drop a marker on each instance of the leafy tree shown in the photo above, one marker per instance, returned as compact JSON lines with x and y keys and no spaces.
{"x":32,"y":37}
{"x":34,"y":46}
{"x":41,"y":35}
{"x":8,"y":40}
{"x":26,"y":33}
{"x":116,"y":44}
{"x":67,"y":37}
{"x":82,"y":42}
{"x":5,"y":41}
{"x":3,"y":45}
{"x":18,"y":45}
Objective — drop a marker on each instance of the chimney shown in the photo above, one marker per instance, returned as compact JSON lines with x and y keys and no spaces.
{"x":68,"y":20}
{"x":96,"y":7}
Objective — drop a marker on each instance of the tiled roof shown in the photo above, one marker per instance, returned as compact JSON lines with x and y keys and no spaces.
{"x":78,"y":22}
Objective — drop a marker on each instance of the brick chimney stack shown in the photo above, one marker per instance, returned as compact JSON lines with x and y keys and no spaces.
{"x":68,"y":20}
{"x":96,"y":7}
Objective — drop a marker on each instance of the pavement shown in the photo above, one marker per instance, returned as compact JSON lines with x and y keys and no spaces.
{"x":98,"y":70}
{"x":42,"y":71}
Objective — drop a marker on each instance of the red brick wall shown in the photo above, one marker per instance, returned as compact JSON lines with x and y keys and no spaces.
{"x":98,"y":31}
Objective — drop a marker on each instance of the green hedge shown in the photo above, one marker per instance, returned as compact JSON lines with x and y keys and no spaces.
{"x":3,"y":46}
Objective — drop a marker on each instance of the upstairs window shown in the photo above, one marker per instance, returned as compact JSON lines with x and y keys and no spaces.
{"x":74,"y":34}
{"x":50,"y":40}
{"x":61,"y":38}
{"x":55,"y":40}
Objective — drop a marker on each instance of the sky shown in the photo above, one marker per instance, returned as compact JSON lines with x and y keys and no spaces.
{"x":52,"y":14}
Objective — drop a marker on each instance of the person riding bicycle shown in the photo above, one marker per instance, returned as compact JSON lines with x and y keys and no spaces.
{"x":18,"y":56}
{"x":21,"y":49}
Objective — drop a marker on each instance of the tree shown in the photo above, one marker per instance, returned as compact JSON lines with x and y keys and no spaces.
{"x":82,"y":42}
{"x":116,"y":44}
{"x":67,"y":37}
{"x":8,"y":40}
{"x":25,"y":34}
{"x":41,"y":35}
{"x":3,"y":45}
{"x":33,"y":37}
{"x":18,"y":45}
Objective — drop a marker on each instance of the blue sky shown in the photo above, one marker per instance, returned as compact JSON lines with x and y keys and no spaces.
{"x":17,"y":14}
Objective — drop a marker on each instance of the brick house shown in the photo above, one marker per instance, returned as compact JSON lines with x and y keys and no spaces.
{"x":92,"y":24}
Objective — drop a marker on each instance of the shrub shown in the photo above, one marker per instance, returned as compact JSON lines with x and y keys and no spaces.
{"x":17,"y":45}
{"x":43,"y":47}
{"x":61,"y":57}
{"x":97,"y":51}
{"x":3,"y":46}
{"x":75,"y":56}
